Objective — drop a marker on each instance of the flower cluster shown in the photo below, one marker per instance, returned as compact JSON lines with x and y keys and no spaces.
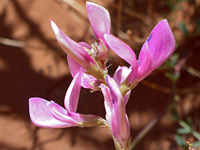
{"x":87,"y":65}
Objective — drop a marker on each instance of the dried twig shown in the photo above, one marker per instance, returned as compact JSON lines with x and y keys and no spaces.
{"x":11,"y":42}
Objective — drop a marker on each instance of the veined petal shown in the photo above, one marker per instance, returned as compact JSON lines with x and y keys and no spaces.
{"x":121,"y":49}
{"x":42,"y":116}
{"x":144,"y":63}
{"x":161,"y":43}
{"x":75,"y":50}
{"x":99,"y":19}
{"x":72,"y":94}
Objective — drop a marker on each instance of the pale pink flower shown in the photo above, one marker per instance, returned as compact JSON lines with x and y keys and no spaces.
{"x":45,"y":113}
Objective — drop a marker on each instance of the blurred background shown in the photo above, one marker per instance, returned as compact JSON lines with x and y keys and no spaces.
{"x":164,"y":108}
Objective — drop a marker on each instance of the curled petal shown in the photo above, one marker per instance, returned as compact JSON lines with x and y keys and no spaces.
{"x":72,"y":94}
{"x":99,"y":19}
{"x":41,"y":114}
{"x":121,"y":49}
{"x":121,"y":74}
{"x":161,"y":43}
{"x":75,"y":50}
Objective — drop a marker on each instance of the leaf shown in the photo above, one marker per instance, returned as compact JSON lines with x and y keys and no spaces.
{"x":182,"y":131}
{"x":179,"y":139}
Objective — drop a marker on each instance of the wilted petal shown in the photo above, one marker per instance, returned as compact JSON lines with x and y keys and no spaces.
{"x":75,"y":50}
{"x":99,"y":19}
{"x":144,"y":63}
{"x":41,"y":114}
{"x":72,"y":95}
{"x":161,"y":43}
{"x":121,"y":49}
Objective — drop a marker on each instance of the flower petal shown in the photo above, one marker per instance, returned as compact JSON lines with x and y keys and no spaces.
{"x":41,"y":115}
{"x":72,"y":94}
{"x":121,"y":49}
{"x":74,"y":67}
{"x":99,"y":19}
{"x":75,"y":50}
{"x":144,"y":63}
{"x":121,"y":74}
{"x":108,"y":103}
{"x":114,"y":89}
{"x":161,"y":43}
{"x":126,"y":97}
{"x":85,"y":45}
{"x":87,"y":81}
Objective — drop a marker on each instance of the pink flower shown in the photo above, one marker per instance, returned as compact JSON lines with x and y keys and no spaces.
{"x":90,"y":59}
{"x":45,"y":113}
{"x":158,"y":47}
{"x":115,"y":113}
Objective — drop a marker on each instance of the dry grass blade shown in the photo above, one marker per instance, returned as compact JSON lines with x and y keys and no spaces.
{"x":11,"y":42}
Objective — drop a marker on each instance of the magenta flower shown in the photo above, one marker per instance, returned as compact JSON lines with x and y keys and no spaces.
{"x":158,"y":47}
{"x":45,"y":113}
{"x":116,"y":114}
{"x":90,"y":59}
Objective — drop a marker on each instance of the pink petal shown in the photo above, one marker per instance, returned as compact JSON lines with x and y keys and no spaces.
{"x":108,"y":103}
{"x":114,"y":89}
{"x":161,"y":43}
{"x":86,"y":45}
{"x":72,"y":94}
{"x":75,"y":50}
{"x":144,"y":63}
{"x":41,"y":114}
{"x":74,"y":67}
{"x":121,"y":49}
{"x":121,"y":74}
{"x":99,"y":19}
{"x":126,"y":97}
{"x":120,"y":125}
{"x":86,"y":79}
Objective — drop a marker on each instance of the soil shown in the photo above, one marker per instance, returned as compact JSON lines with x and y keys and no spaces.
{"x":35,"y":66}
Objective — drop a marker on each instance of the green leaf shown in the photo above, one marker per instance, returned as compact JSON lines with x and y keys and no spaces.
{"x":185,"y":125}
{"x":179,"y":140}
{"x":182,"y":131}
{"x":196,"y":144}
